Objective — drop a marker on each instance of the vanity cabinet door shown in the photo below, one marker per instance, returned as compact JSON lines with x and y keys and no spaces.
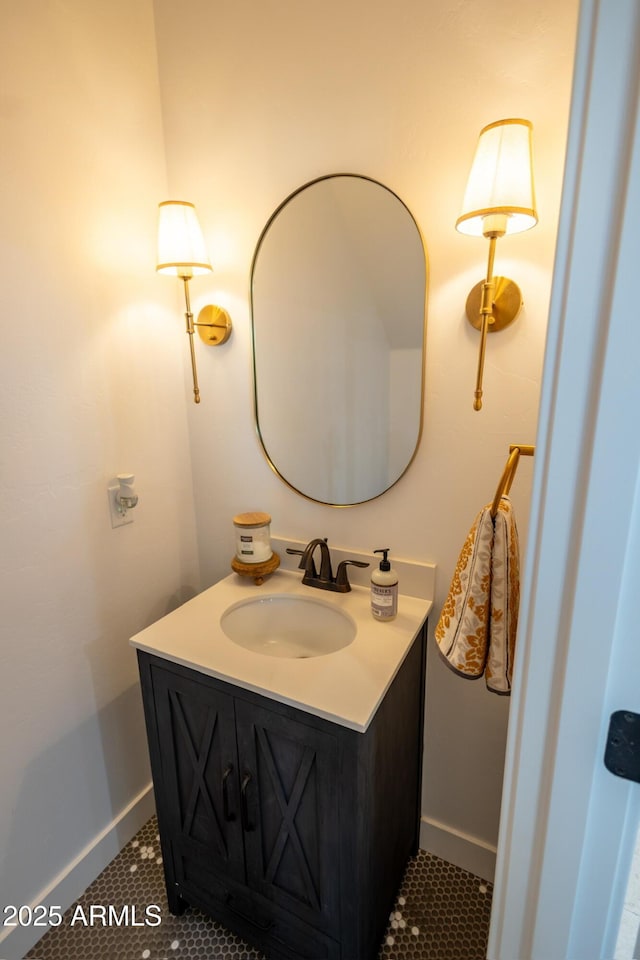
{"x":289,"y":773}
{"x":198,"y":759}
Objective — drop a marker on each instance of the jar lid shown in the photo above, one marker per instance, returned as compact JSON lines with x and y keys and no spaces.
{"x":252,"y":519}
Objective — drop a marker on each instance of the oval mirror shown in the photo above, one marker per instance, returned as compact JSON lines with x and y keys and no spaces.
{"x":338,"y":292}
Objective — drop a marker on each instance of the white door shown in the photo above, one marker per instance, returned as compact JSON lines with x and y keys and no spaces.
{"x":628,"y":944}
{"x":568,"y":826}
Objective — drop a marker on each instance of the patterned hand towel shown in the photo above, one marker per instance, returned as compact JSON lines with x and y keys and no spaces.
{"x":477,"y":627}
{"x":505,"y":600}
{"x":463,"y":629}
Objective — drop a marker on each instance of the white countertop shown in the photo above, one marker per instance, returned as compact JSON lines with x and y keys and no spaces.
{"x":346,"y":686}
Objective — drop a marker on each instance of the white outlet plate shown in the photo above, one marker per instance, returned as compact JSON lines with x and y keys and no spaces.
{"x":118,"y":519}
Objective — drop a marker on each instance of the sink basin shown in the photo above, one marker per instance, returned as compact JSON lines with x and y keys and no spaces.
{"x":282,"y":625}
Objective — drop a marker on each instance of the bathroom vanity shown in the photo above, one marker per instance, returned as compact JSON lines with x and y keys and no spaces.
{"x":287,"y":786}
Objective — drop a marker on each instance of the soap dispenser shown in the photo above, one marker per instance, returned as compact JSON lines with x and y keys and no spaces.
{"x":384,"y":589}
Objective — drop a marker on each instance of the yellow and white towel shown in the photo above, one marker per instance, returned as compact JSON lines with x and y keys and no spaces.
{"x":476,"y":632}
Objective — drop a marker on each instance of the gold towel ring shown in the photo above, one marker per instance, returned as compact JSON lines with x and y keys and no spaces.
{"x":506,"y":479}
{"x":509,"y":472}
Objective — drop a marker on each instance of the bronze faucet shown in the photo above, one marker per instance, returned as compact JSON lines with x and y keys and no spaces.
{"x":324,"y":580}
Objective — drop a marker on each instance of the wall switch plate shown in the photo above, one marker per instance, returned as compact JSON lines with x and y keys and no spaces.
{"x":118,"y":518}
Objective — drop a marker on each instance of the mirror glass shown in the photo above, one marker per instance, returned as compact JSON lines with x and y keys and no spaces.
{"x":338,"y":290}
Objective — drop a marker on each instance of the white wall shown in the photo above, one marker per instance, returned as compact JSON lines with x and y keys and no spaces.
{"x":260,"y":98}
{"x":92,"y":384}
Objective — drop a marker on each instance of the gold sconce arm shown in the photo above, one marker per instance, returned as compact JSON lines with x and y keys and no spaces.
{"x":213,"y":330}
{"x":486,"y":317}
{"x":190,"y":332}
{"x":492,"y":305}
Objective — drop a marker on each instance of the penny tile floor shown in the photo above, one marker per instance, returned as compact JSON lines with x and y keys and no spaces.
{"x":441,"y":913}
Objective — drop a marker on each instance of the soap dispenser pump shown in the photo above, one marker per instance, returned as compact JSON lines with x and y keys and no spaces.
{"x":384,"y":589}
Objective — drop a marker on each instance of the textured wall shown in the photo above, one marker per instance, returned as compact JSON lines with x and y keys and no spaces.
{"x":260,"y":98}
{"x":91,"y":385}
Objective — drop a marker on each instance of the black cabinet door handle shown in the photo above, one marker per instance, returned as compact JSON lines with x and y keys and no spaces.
{"x":244,"y":805}
{"x":228,"y":815}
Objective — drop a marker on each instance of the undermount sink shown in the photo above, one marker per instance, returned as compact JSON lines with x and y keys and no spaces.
{"x":282,"y":625}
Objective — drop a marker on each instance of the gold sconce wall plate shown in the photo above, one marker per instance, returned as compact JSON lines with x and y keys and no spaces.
{"x":214,"y":325}
{"x":507,"y":303}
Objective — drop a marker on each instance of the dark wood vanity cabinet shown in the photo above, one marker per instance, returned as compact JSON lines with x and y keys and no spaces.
{"x":290,"y":830}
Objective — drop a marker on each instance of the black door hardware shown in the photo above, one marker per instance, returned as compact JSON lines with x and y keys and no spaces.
{"x":622,"y":752}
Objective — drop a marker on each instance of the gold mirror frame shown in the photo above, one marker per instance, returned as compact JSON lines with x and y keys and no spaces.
{"x":279,"y":340}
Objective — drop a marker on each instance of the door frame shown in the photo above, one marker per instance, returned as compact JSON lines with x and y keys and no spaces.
{"x":560,"y":863}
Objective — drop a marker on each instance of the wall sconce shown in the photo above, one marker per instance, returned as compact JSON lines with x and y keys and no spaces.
{"x":182,"y":253}
{"x":499,"y":199}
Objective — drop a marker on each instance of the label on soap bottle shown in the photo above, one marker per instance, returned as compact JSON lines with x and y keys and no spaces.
{"x":384,"y":601}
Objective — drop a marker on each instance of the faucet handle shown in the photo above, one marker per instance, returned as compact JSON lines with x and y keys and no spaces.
{"x":342,"y":580}
{"x":307,"y":562}
{"x":297,"y":553}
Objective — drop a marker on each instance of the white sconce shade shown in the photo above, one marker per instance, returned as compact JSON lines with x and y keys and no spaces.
{"x":181,"y":248}
{"x":500,"y":184}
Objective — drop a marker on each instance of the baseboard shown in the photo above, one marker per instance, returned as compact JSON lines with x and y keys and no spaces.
{"x":461,"y":849}
{"x":71,"y":882}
